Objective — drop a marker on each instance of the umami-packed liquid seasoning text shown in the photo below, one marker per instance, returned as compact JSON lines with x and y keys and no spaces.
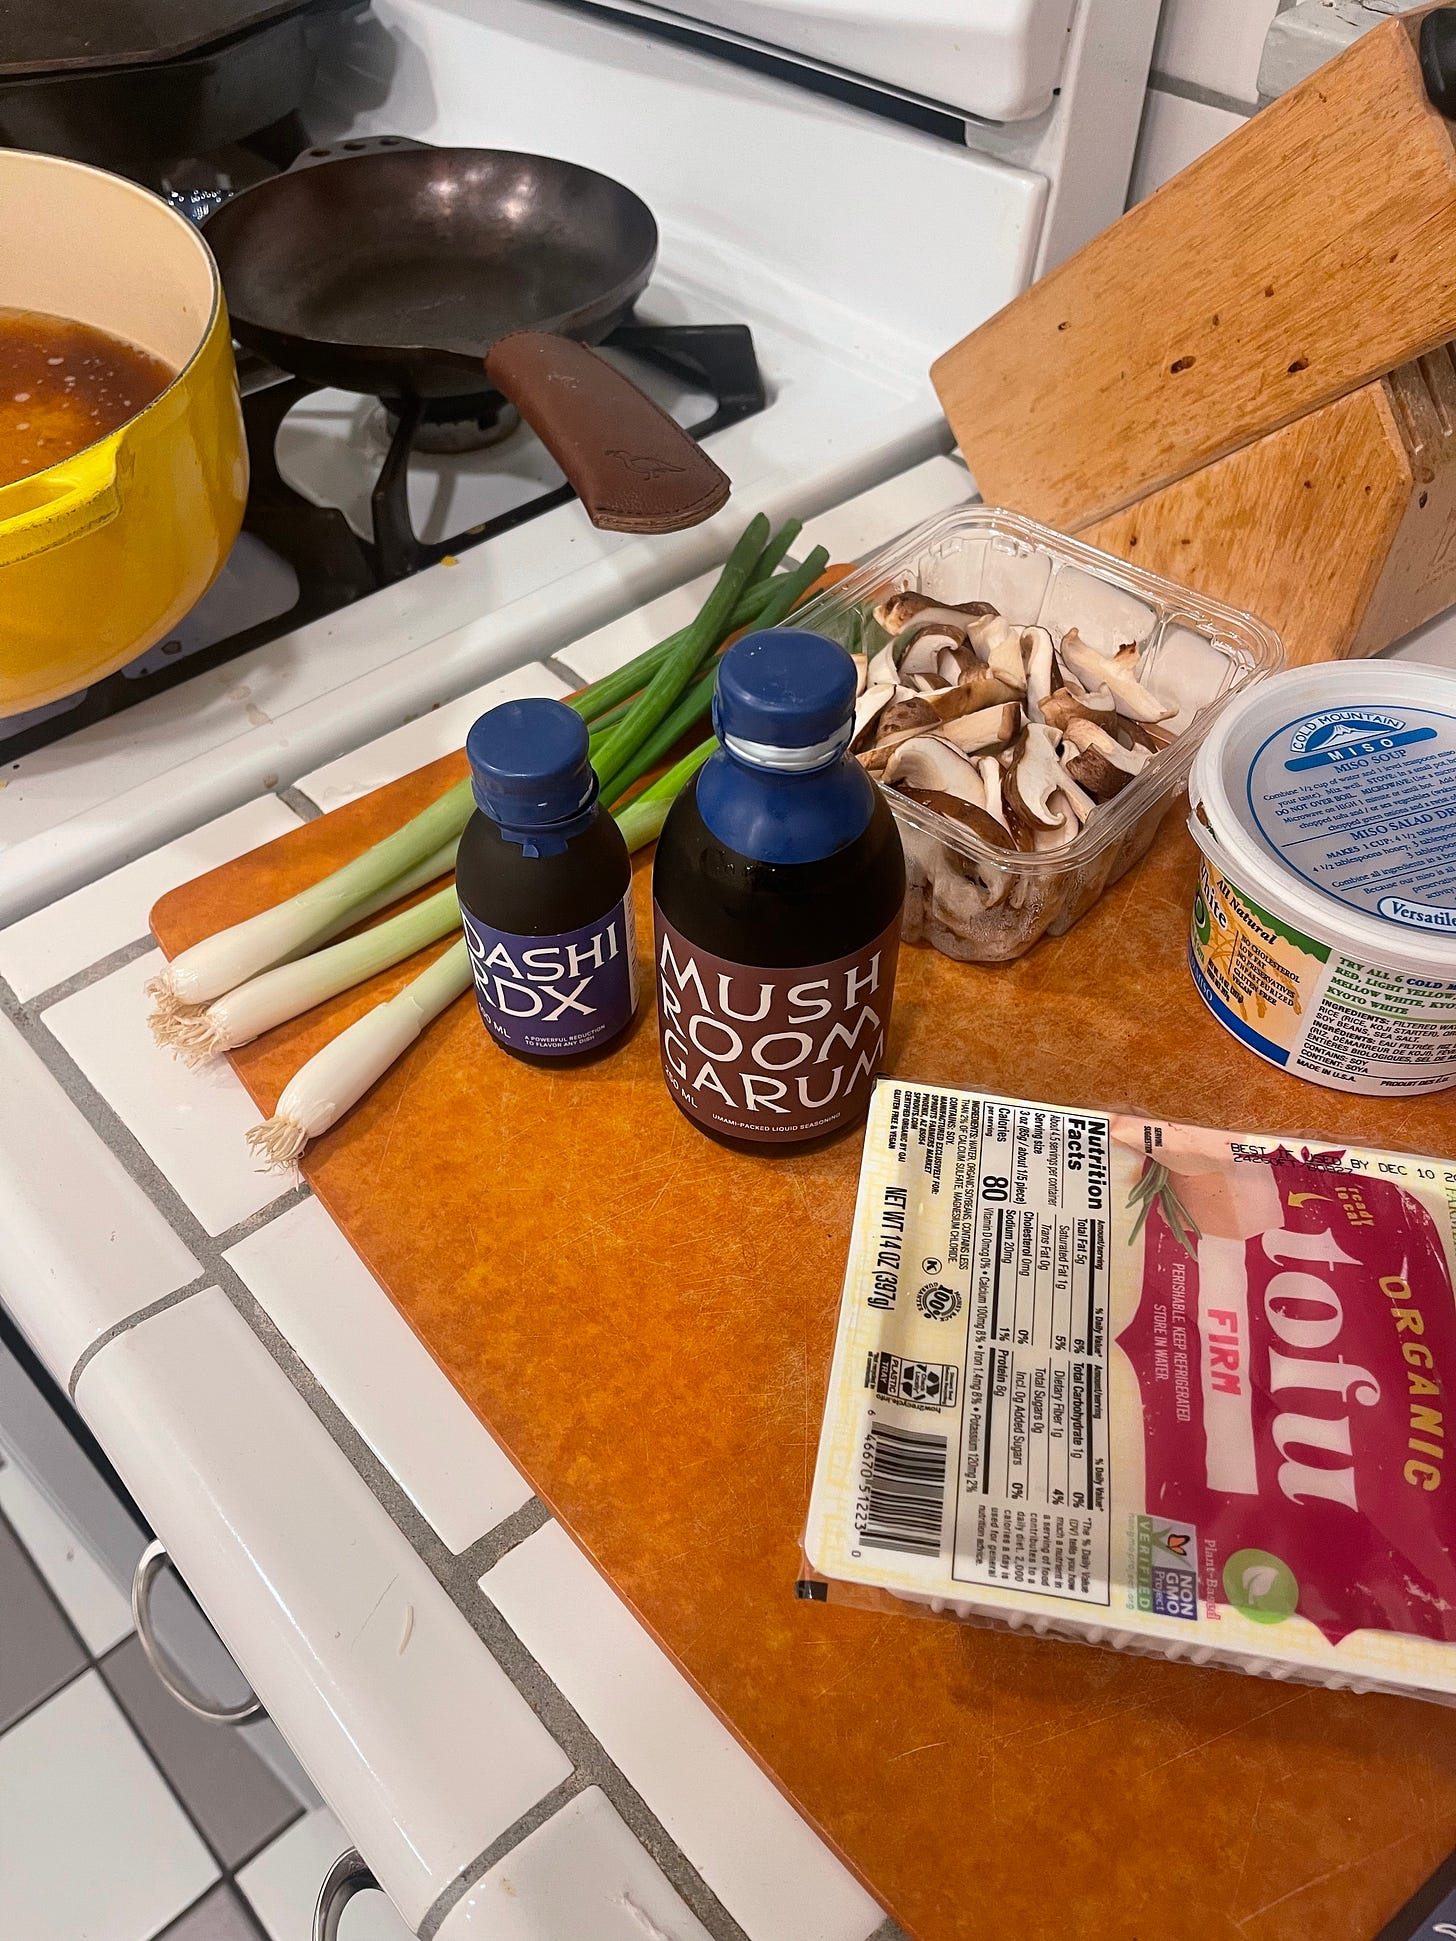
{"x":777,"y":889}
{"x":545,"y":889}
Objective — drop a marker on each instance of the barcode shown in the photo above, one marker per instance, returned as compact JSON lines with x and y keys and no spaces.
{"x":904,"y":1504}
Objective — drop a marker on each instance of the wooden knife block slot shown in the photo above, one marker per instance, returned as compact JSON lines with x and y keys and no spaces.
{"x":1338,"y":529}
{"x":1247,"y":383}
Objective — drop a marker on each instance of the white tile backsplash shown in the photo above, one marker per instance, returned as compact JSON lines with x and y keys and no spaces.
{"x":348,"y":1332}
{"x":42,"y":950}
{"x":1174,"y":133}
{"x":766,"y":1864}
{"x":1214,"y":44}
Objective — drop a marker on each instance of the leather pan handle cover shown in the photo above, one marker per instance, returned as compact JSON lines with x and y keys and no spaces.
{"x":633,"y":468}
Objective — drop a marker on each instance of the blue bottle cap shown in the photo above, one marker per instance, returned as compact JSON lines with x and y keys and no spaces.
{"x":529,"y":766}
{"x":788,"y":690}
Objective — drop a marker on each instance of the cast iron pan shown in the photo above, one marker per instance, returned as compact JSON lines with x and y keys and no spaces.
{"x":137,"y":84}
{"x":434,"y":273}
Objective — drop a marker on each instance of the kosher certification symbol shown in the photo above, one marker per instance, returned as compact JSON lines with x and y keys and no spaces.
{"x":937,"y":1302}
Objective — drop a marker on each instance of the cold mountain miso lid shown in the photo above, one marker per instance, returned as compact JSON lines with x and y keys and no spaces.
{"x":785,"y":699}
{"x":529,"y":766}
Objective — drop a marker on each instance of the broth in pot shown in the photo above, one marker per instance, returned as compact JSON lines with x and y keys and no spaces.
{"x":64,"y":385}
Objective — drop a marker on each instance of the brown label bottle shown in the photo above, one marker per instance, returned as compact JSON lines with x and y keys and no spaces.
{"x":777,"y":891}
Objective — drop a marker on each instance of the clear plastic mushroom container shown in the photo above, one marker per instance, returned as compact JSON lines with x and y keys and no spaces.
{"x":1031,"y":707}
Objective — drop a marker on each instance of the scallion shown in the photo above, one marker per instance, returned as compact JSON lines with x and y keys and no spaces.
{"x":677,"y":669}
{"x":288,"y":990}
{"x":336,"y":1078}
{"x":221,"y":962}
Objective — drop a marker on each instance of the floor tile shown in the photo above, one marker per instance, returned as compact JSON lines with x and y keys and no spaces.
{"x":765,"y":1863}
{"x":424,"y":740}
{"x":349,"y":1333}
{"x":193,"y":1124}
{"x":38,"y":1652}
{"x":96,"y":1847}
{"x":282,"y":1885}
{"x":222,"y":1915}
{"x":91,"y":922}
{"x":237,"y":1803}
{"x":65,"y":1280}
{"x":583,"y":1876}
{"x":95,"y":1606}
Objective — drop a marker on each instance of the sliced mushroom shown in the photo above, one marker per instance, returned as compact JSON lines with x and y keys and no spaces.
{"x":1038,"y":650}
{"x":882,"y":670}
{"x":916,"y":713}
{"x":1101,"y":765}
{"x":1118,"y":672}
{"x":977,"y":820}
{"x":1034,"y":775}
{"x":1062,"y":707}
{"x":982,"y":690}
{"x":922,"y":656}
{"x":870,"y":704}
{"x":927,"y":762}
{"x":1134,"y":734}
{"x":861,"y":671}
{"x":926,"y":684}
{"x":987,"y":728}
{"x":1065,"y":827}
{"x":989,"y":770}
{"x":999,"y":645}
{"x":901,"y":610}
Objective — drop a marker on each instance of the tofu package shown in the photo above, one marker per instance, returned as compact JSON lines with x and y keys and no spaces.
{"x":1149,"y":1386}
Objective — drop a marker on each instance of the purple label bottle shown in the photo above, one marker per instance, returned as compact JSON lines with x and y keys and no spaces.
{"x":545,"y":886}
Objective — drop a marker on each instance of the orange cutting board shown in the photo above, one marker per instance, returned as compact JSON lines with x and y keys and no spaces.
{"x":645,"y":1321}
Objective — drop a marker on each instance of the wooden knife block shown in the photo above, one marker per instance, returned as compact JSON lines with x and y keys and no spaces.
{"x":1339,"y":529}
{"x":1247,"y":382}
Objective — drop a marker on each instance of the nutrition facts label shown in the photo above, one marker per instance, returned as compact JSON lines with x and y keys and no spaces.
{"x":1033,"y":1501}
{"x":1006,"y":1232}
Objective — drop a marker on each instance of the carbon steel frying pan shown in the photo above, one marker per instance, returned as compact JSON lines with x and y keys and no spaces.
{"x":413,"y":272}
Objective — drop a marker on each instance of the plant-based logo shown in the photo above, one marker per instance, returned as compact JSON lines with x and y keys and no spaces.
{"x":1261,"y":1586}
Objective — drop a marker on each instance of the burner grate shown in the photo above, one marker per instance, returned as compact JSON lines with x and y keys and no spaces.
{"x":333,"y":566}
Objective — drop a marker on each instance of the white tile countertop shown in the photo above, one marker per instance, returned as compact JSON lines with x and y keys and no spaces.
{"x":509,"y":1749}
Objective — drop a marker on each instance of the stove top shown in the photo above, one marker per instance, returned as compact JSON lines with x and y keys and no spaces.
{"x":349,"y":495}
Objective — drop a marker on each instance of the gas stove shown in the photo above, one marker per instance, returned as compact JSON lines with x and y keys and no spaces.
{"x":824,"y":233}
{"x":349,"y":494}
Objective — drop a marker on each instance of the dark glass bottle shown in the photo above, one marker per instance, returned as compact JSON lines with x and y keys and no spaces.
{"x":545,"y":886}
{"x":777,"y":890}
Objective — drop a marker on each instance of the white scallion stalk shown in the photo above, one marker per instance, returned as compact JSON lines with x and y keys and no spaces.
{"x":221,"y":962}
{"x":438,"y":863}
{"x":336,"y":1078}
{"x":247,"y":1011}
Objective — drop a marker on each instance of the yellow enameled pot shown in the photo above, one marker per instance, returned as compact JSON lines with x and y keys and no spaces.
{"x":102,"y":553}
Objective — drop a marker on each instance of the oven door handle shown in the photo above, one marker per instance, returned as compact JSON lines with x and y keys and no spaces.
{"x":349,"y":1875}
{"x":148,"y":1565}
